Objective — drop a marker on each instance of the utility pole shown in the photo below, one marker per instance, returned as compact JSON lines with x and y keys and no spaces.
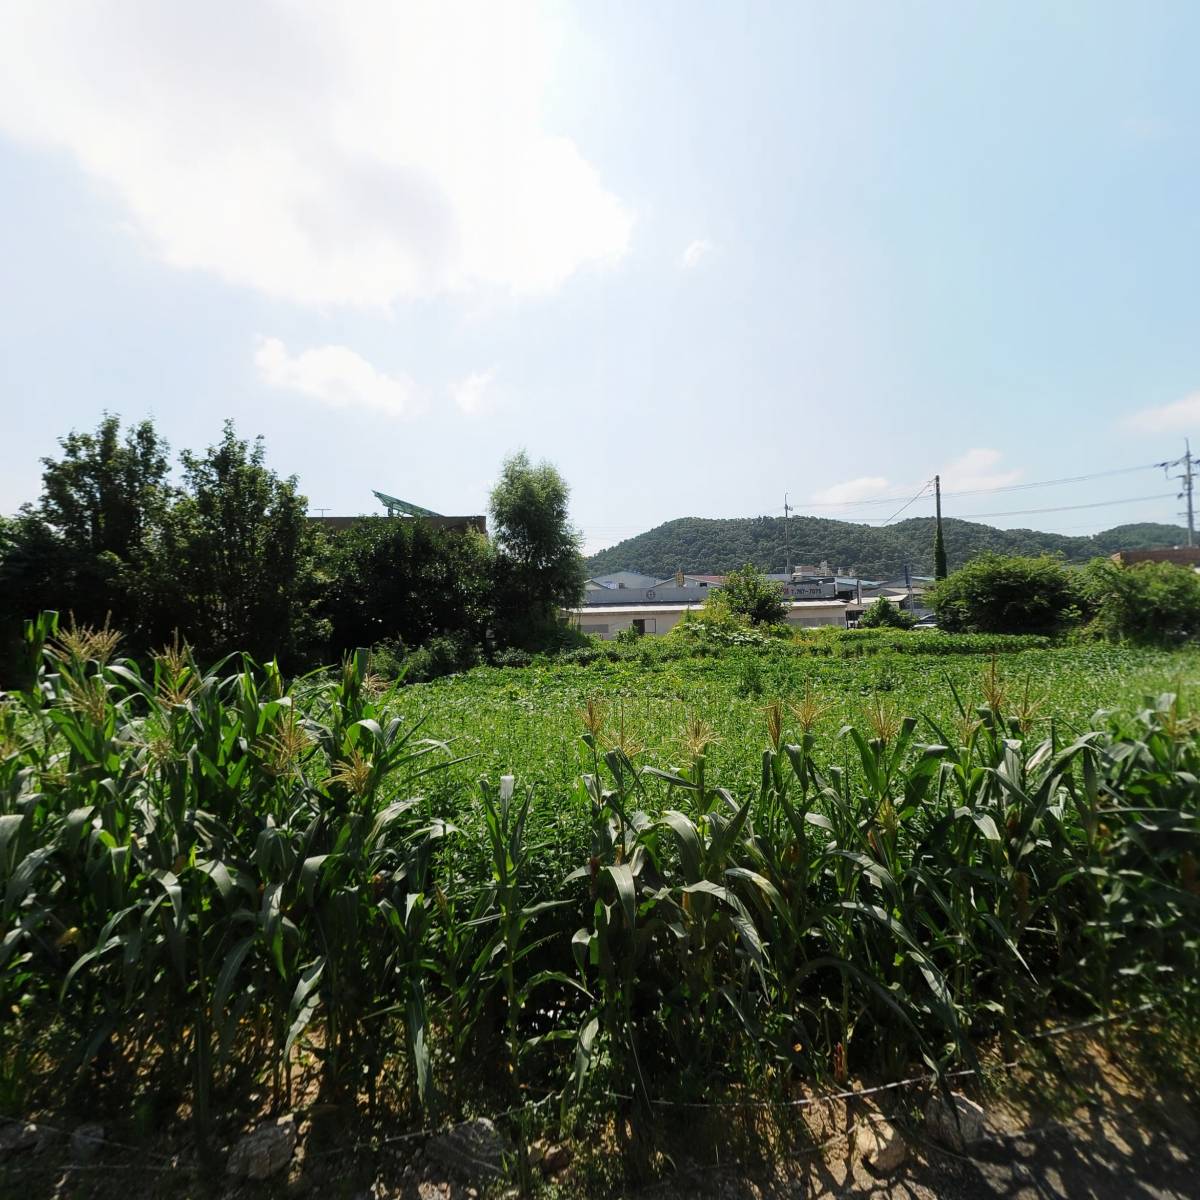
{"x":787,"y":539}
{"x":1188,"y":478}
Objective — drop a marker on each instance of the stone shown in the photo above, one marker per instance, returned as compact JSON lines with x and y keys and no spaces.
{"x":87,"y":1141}
{"x":955,"y":1121}
{"x":556,"y":1159}
{"x":18,"y":1136}
{"x":470,"y":1150}
{"x":265,"y":1150}
{"x":879,"y":1145}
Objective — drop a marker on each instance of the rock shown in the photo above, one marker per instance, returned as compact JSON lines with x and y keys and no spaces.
{"x":470,"y":1150}
{"x":264,"y":1150}
{"x":556,"y":1159}
{"x":955,"y":1121}
{"x":879,"y":1145}
{"x":87,"y":1141}
{"x":20,"y":1135}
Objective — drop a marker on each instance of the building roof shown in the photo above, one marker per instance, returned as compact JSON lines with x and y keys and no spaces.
{"x":1182,"y":556}
{"x":625,"y":579}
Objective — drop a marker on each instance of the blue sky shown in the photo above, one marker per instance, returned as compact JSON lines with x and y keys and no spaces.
{"x":695,"y":254}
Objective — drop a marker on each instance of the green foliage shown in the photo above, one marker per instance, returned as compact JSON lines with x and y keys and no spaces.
{"x":883,"y":614}
{"x":1147,"y":603}
{"x":234,"y":564}
{"x":998,"y":593}
{"x":747,"y":593}
{"x":395,"y":578}
{"x":538,"y":567}
{"x":217,"y":884}
{"x":716,"y":546}
{"x":86,"y":547}
{"x":940,"y":568}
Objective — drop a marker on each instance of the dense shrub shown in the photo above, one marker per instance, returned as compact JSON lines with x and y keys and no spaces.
{"x":883,"y":614}
{"x":999,"y":593}
{"x":748,"y":594}
{"x":1147,"y":603}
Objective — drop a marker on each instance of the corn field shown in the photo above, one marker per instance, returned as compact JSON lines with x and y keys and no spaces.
{"x":217,"y":880}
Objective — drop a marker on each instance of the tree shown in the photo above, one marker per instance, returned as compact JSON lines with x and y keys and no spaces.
{"x":538,"y":568}
{"x":883,"y":614}
{"x":235,"y":560}
{"x":393,"y":577}
{"x":999,"y":593}
{"x":106,"y":493}
{"x":940,"y":570}
{"x":84,"y":547}
{"x":1147,"y":603}
{"x":748,"y":593}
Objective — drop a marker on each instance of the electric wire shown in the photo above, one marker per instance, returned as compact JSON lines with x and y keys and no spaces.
{"x":928,"y":484}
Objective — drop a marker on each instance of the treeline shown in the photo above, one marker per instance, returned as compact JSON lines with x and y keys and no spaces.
{"x":719,"y":546}
{"x":226,"y":559}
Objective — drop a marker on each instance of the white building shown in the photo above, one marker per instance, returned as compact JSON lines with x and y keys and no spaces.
{"x":607,"y":620}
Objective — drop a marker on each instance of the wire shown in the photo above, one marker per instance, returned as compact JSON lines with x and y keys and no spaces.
{"x":927,"y":486}
{"x":1008,"y":487}
{"x":1016,"y":512}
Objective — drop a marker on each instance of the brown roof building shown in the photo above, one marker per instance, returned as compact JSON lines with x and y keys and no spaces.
{"x":1182,"y":556}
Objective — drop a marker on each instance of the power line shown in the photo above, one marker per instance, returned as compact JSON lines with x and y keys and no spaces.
{"x":1018,"y":512}
{"x":924,"y":488}
{"x":1008,"y":487}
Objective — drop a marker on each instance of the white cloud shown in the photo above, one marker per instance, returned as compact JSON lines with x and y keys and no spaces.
{"x":321,"y":153}
{"x":696,"y":251}
{"x":337,"y":377}
{"x":864,"y":488}
{"x":1177,"y":417}
{"x":474,"y":394}
{"x":973,"y":470}
{"x":977,"y":469}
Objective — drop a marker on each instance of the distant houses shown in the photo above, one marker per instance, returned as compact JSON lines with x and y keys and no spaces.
{"x":817,"y":596}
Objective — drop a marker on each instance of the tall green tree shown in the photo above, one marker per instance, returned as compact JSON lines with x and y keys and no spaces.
{"x":235,"y":560}
{"x":84,"y":548}
{"x":940,"y":570}
{"x":106,"y":493}
{"x":538,"y":567}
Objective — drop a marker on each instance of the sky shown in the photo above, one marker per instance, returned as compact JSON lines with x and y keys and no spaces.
{"x":700,"y":256}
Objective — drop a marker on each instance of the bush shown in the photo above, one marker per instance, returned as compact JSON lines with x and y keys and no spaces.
{"x":1008,"y":593}
{"x":883,"y":614}
{"x":748,"y":593}
{"x":440,"y":656}
{"x":1148,"y":603}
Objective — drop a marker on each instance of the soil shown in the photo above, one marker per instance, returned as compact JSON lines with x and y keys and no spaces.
{"x":1089,"y":1118}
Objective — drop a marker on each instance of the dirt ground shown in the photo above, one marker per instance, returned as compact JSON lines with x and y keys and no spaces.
{"x":1095,"y":1119}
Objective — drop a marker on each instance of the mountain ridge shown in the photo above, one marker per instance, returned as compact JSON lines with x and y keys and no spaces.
{"x":702,"y":545}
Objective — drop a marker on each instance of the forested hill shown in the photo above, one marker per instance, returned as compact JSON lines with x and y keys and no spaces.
{"x":705,"y":546}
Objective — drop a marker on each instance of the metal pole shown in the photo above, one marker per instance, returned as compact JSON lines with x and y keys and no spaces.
{"x":1187,"y":478}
